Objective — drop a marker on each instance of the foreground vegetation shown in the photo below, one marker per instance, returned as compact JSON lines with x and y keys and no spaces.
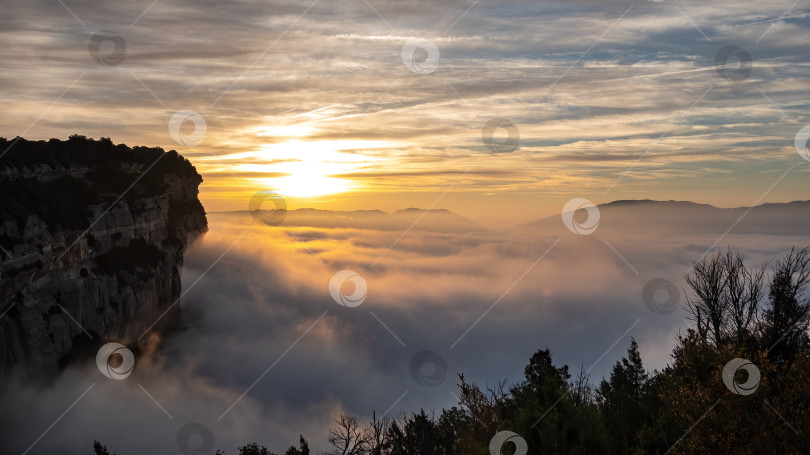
{"x":756,"y":314}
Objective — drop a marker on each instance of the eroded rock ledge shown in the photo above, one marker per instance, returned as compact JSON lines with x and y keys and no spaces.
{"x":74,"y":248}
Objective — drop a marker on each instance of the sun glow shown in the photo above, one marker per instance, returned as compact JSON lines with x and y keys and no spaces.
{"x":313,"y":168}
{"x":308,"y":185}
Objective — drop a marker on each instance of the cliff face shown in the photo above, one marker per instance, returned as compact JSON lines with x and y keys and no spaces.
{"x":80,"y":264}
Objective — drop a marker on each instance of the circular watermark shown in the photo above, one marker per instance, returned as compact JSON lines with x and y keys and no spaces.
{"x":420,"y":56}
{"x":272,"y":217}
{"x":733,"y":63}
{"x":651,"y":295}
{"x":195,"y":439}
{"x":751,"y":383}
{"x":122,"y":370}
{"x":508,"y":144}
{"x":501,"y":438}
{"x":801,"y":142}
{"x":176,"y":128}
{"x":107,"y":47}
{"x":356,"y":296}
{"x":428,"y":368}
{"x":591,"y":222}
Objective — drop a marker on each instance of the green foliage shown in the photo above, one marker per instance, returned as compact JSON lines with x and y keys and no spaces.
{"x":253,"y":449}
{"x":547,"y":416}
{"x":418,"y":434}
{"x":622,"y":400}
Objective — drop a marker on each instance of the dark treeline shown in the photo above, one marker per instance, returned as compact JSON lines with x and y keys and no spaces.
{"x":81,"y":172}
{"x":762,"y":405}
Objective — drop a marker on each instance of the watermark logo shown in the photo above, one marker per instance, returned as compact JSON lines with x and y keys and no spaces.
{"x":428,"y":368}
{"x":801,"y":142}
{"x":420,"y":56}
{"x":349,"y":299}
{"x":176,"y":128}
{"x":751,"y":383}
{"x":506,"y":145}
{"x":502,"y":438}
{"x":733,"y":63}
{"x":272,"y":217}
{"x":107,"y":48}
{"x":195,"y":439}
{"x":122,"y":370}
{"x":651,"y":295}
{"x":569,"y":212}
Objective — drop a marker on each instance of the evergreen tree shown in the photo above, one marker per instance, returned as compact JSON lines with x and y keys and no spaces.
{"x":99,"y":449}
{"x":622,"y":400}
{"x":303,"y":447}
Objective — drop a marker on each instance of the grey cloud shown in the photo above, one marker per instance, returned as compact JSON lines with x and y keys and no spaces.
{"x":429,"y":289}
{"x":514,"y":51}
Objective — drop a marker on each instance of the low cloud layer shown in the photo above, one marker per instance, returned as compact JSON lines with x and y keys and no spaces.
{"x":266,"y":353}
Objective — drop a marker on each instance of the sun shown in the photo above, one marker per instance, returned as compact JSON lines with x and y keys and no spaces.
{"x":305,"y":169}
{"x":306,"y":184}
{"x":312,"y":168}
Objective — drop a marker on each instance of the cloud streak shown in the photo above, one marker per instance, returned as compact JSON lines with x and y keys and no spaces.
{"x":336,"y":73}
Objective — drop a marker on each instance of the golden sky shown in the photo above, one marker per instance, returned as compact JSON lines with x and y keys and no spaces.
{"x":383,"y":104}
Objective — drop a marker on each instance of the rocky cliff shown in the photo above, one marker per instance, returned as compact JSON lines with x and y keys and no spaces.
{"x":92,"y":237}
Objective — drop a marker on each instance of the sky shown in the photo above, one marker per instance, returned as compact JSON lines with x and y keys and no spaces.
{"x":373,"y":104}
{"x":502,"y":112}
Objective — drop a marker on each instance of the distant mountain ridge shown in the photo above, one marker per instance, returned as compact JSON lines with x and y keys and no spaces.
{"x":667,"y":217}
{"x":632,"y":215}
